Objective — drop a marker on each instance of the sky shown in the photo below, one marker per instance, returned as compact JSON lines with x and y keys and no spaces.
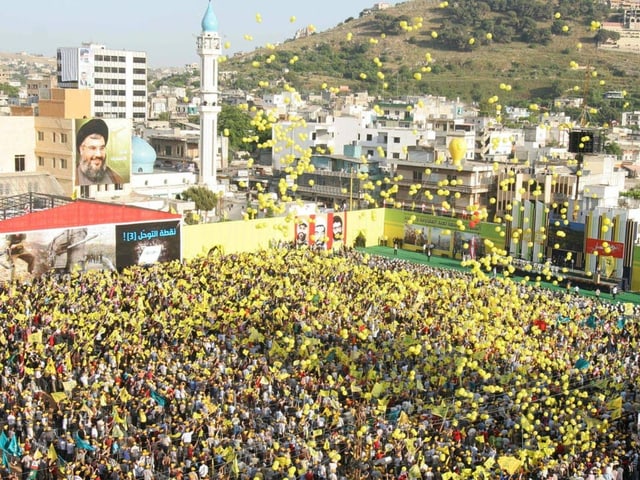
{"x":166,"y":30}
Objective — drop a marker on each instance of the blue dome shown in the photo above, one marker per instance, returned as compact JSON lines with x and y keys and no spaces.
{"x":209,"y":21}
{"x":143,"y":156}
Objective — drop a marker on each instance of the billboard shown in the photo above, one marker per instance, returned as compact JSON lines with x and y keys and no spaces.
{"x":147,"y":243}
{"x":27,"y":255}
{"x":103,"y":151}
{"x":30,"y":254}
{"x":458,"y":238}
{"x":605,"y":248}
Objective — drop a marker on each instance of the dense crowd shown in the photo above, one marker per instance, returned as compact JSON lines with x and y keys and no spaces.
{"x":291,"y":364}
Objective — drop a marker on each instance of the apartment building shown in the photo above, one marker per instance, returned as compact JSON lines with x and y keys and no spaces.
{"x":117,"y":79}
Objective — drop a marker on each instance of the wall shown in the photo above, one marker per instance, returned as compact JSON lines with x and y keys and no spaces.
{"x":18,"y":138}
{"x":252,"y":235}
{"x":66,"y":103}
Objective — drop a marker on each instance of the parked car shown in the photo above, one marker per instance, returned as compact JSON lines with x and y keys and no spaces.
{"x":160,"y":163}
{"x":187,"y":167}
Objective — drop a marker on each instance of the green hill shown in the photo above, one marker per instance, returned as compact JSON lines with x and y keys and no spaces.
{"x":537,"y":50}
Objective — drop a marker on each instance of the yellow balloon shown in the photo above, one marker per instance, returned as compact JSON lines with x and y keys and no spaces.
{"x":457,"y":149}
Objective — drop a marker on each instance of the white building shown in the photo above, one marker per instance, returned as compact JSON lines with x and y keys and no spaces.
{"x":117,"y":78}
{"x":631,"y":119}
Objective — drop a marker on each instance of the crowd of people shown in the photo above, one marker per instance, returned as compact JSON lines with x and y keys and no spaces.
{"x":293,"y":364}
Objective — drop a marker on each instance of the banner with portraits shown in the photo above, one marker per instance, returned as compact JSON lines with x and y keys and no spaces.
{"x":321,"y":231}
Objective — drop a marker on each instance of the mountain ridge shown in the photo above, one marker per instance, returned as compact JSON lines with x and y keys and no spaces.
{"x":410,"y":59}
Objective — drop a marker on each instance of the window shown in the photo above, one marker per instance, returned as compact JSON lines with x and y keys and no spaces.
{"x":139,"y":82}
{"x":139,"y":93}
{"x":396,"y":139}
{"x":139,"y":71}
{"x":314,"y":135}
{"x":41,"y":136}
{"x":139,"y":104}
{"x":138,"y":115}
{"x":119,"y":186}
{"x":53,"y":163}
{"x":167,"y":150}
{"x":369,"y":137}
{"x":122,"y":59}
{"x":99,"y":69}
{"x":122,"y":70}
{"x":396,"y":155}
{"x":84,"y":191}
{"x":64,"y":163}
{"x":19,"y":161}
{"x":139,"y":60}
{"x":55,"y":137}
{"x":41,"y":161}
{"x":63,"y":138}
{"x":98,"y":58}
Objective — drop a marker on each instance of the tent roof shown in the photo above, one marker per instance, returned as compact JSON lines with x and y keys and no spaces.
{"x":83,"y":213}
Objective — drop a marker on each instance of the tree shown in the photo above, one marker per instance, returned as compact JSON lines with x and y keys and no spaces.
{"x":612,"y":148}
{"x":205,"y":199}
{"x":238,"y":124}
{"x":603,"y":35}
{"x":9,"y":90}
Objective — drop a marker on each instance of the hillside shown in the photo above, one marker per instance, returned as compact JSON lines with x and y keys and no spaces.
{"x":396,"y":51}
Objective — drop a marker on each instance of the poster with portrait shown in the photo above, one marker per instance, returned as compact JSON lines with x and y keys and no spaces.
{"x":467,"y":245}
{"x":302,"y":235}
{"x":85,"y":68}
{"x":103,"y":151}
{"x":337,"y":229}
{"x":319,"y":233}
{"x":27,"y":255}
{"x":147,"y":243}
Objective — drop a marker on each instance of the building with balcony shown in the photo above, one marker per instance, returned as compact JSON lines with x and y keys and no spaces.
{"x":429,"y":181}
{"x":342,"y":182}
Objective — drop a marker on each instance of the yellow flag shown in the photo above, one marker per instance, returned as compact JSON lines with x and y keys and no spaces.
{"x":58,"y":396}
{"x":509,"y":464}
{"x":35,"y":337}
{"x":51,"y":453}
{"x":615,"y":407}
{"x":50,"y":369}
